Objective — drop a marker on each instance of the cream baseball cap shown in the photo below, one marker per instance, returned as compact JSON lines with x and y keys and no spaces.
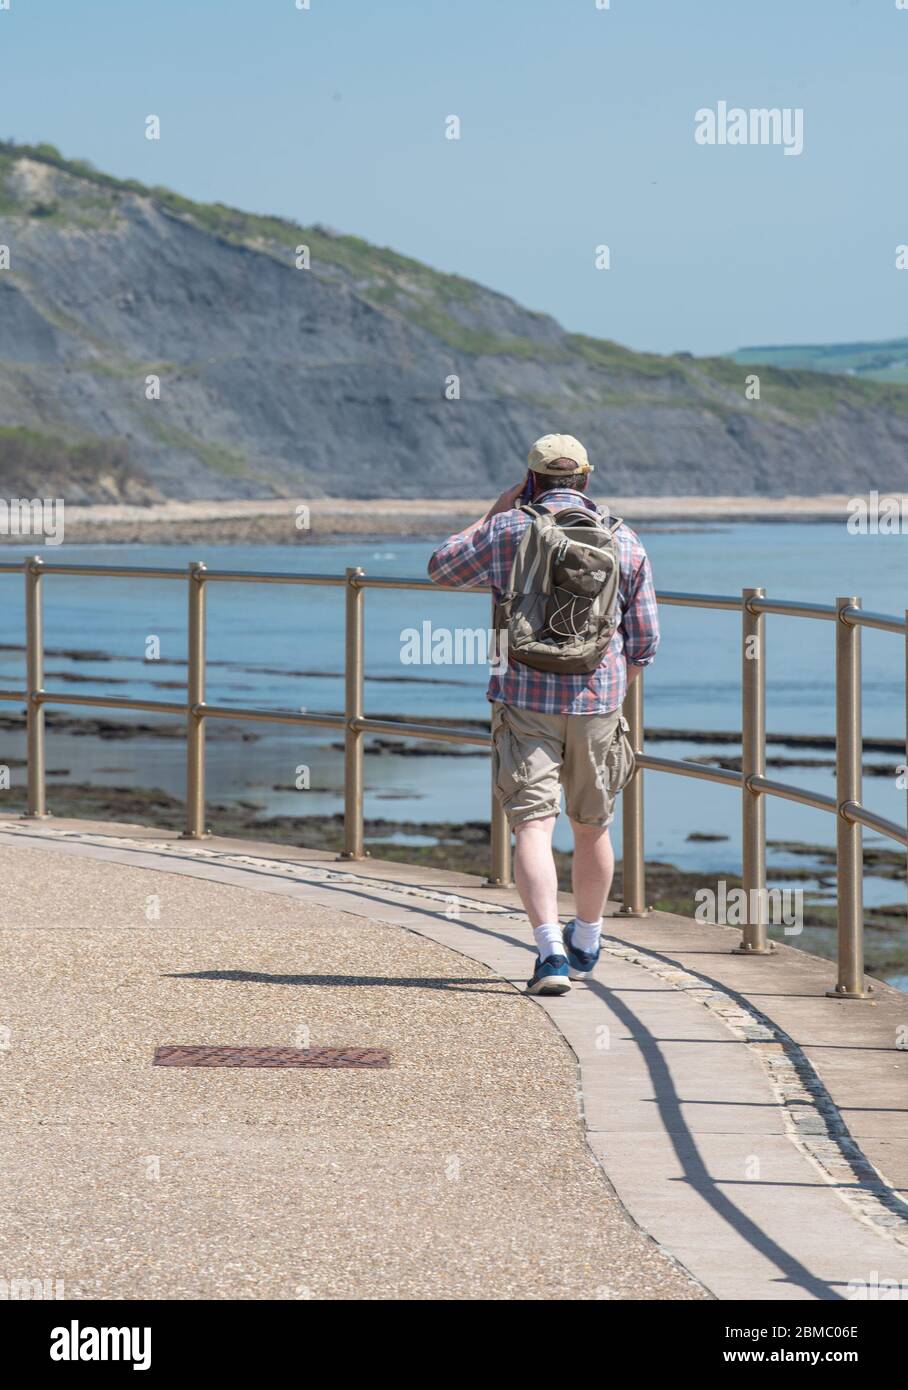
{"x":548,"y":454}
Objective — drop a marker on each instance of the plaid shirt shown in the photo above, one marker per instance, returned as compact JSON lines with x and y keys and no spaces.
{"x":484,"y":556}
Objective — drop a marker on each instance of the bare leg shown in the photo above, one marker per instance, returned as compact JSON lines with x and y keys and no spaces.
{"x":534,"y":870}
{"x":592,"y":869}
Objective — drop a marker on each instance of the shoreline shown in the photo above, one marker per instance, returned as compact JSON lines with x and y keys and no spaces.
{"x":277,"y":521}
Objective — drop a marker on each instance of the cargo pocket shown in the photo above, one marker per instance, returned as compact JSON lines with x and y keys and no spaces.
{"x":509,"y":767}
{"x":619,"y":759}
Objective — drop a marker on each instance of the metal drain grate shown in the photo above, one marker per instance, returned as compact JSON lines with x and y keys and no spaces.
{"x":191,"y":1055}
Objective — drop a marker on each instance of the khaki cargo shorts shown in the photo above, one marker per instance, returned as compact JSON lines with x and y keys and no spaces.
{"x":535,"y":755}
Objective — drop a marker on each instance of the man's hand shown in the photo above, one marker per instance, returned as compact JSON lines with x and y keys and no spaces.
{"x":506,"y":501}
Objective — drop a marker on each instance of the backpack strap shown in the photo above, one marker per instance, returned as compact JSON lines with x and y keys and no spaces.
{"x":541,"y":517}
{"x":569,"y":516}
{"x":526,"y":565}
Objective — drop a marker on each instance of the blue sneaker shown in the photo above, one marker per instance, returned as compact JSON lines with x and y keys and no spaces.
{"x":550,"y":976}
{"x":581,"y":963}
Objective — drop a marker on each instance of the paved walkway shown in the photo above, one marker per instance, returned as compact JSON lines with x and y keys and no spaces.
{"x":738,"y":1135}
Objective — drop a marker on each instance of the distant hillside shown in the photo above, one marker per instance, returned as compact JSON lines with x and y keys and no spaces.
{"x":887,"y":361}
{"x":331,"y":381}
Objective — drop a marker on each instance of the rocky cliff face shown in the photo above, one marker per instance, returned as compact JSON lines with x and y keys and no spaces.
{"x":334,"y":380}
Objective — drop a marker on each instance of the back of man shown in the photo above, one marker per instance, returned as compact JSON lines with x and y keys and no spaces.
{"x":554,"y":730}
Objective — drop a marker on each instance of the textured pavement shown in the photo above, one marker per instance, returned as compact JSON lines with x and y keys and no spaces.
{"x":755,"y":1130}
{"x":462,"y":1171}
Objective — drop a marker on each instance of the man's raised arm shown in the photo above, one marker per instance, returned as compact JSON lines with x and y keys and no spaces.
{"x":463,"y":559}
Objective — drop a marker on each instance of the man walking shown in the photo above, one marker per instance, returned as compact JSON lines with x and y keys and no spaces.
{"x":554,"y":727}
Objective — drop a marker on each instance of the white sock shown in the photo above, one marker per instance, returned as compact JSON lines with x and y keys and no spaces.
{"x":586,"y":934}
{"x":549,"y":941}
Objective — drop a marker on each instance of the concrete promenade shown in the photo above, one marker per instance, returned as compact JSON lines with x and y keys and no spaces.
{"x":688,"y":1124}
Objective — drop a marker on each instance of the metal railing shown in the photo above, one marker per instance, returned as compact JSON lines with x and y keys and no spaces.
{"x":851,"y":816}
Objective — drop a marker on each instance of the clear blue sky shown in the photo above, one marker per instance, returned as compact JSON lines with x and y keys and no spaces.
{"x":577,"y":129}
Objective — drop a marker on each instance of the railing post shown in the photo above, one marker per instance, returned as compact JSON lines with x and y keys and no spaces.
{"x":754,"y":940}
{"x":500,"y":844}
{"x":195,"y":701}
{"x":632,"y":852}
{"x":499,"y":828}
{"x":34,"y":679}
{"x":849,"y":834}
{"x":354,"y":781}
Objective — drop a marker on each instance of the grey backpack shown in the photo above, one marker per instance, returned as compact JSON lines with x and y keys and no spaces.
{"x":560,"y":608}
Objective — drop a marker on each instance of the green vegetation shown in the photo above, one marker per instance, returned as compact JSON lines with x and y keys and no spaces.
{"x":27,"y":453}
{"x":803,"y":394}
{"x":83,"y":206}
{"x":8,"y":203}
{"x":884,"y":361}
{"x":217,"y":457}
{"x":601,"y":352}
{"x":476,"y":342}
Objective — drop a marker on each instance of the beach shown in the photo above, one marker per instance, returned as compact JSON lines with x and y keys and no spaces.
{"x":300,"y":520}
